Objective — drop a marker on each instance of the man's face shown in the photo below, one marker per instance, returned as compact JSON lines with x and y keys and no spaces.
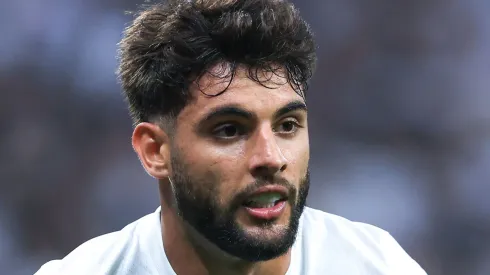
{"x":240,"y":165}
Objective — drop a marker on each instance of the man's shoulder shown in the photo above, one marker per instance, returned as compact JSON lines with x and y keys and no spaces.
{"x":328,"y":230}
{"x":352,"y":246}
{"x":317,"y":221}
{"x":105,"y":254}
{"x":92,"y":253}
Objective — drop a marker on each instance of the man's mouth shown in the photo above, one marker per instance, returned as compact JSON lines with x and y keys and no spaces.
{"x":264,"y":200}
{"x":267,"y":202}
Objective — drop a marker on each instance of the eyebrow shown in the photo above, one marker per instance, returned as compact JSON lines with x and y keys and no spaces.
{"x":229,"y":110}
{"x":291,"y":107}
{"x":237,"y":111}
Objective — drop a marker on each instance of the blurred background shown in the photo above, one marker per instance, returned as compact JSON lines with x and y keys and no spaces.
{"x":399,"y":121}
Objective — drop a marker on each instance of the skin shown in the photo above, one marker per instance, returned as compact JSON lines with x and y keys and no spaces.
{"x":255,"y":134}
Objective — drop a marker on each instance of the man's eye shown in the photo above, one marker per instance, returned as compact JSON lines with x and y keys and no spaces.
{"x":227,"y":131}
{"x":289,"y":126}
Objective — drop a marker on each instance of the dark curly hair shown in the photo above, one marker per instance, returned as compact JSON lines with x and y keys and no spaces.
{"x":169,"y":45}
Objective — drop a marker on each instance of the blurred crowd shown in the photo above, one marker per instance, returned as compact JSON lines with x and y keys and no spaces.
{"x":399,"y":119}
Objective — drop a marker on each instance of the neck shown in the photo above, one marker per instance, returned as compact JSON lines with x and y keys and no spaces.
{"x":191,"y":254}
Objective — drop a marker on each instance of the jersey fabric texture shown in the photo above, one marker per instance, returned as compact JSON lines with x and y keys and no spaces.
{"x":326,"y":244}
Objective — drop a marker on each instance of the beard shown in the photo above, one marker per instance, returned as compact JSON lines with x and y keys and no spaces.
{"x":197,"y":202}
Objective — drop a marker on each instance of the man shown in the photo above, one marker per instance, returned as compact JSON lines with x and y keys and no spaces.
{"x":217,"y":92}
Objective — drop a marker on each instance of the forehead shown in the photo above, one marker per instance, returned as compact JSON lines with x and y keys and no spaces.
{"x":241,"y":91}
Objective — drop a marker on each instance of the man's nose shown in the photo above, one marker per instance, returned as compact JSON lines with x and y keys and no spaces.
{"x":267,"y":158}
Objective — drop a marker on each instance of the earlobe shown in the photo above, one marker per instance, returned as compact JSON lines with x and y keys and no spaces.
{"x":151,"y":144}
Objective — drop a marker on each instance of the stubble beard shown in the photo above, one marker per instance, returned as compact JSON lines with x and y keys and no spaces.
{"x":197,"y":204}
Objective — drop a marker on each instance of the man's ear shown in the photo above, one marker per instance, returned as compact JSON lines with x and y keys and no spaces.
{"x":152,"y":145}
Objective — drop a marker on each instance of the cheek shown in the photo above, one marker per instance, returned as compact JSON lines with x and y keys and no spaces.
{"x":228,"y":179}
{"x":219,"y":167}
{"x":297,"y":154}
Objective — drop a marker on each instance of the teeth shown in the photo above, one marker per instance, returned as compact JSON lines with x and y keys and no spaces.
{"x":258,"y":205}
{"x":264,"y":200}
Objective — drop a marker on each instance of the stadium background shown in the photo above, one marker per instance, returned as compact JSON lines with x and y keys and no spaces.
{"x":399,"y":121}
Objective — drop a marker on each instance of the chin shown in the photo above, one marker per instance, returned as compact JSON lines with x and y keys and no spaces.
{"x":270,"y":230}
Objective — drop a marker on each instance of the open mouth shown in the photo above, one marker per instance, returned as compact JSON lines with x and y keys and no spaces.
{"x":267,"y":203}
{"x":265,"y":200}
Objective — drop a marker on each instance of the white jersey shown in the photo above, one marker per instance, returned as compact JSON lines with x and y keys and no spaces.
{"x":325,"y":244}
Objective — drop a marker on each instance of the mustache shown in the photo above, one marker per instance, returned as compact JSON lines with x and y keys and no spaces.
{"x":242,"y":195}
